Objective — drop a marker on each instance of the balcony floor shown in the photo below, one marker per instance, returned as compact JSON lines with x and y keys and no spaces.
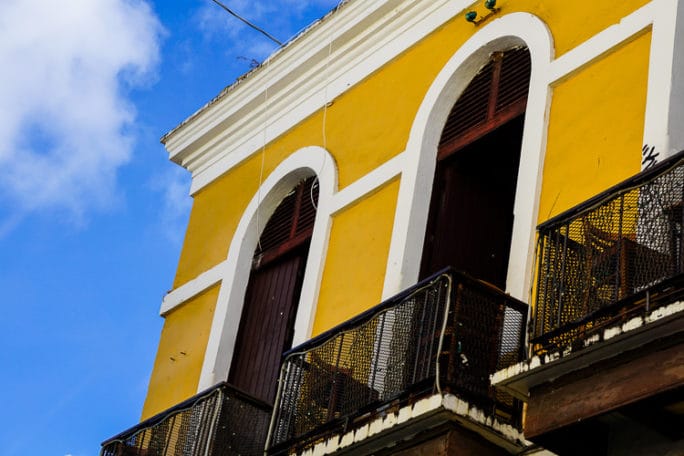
{"x":660,"y":323}
{"x":400,"y":427}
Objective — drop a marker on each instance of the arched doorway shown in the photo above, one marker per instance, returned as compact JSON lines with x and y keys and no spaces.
{"x":470,"y":220}
{"x":275,"y":282}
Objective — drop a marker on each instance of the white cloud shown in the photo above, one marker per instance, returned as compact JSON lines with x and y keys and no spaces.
{"x":174,"y":183}
{"x":65,"y":116}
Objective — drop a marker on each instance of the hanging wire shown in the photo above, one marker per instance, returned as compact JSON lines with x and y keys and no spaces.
{"x":258,"y":29}
{"x":263,"y":159}
{"x":326,"y":103}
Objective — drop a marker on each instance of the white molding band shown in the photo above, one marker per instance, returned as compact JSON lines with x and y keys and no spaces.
{"x":368,"y":183}
{"x":338,"y":202}
{"x":602,"y":42}
{"x":659,"y":83}
{"x":665,"y":101}
{"x":192,"y":288}
{"x":236,"y":268}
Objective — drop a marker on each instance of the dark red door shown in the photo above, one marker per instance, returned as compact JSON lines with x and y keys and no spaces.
{"x":266,"y":326}
{"x":471,"y":212}
{"x":268,"y":315}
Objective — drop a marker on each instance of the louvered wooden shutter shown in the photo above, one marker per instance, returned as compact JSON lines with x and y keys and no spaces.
{"x":291,"y":223}
{"x":497,"y":94}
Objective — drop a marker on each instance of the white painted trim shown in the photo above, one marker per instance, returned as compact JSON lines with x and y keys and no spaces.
{"x":236,"y":268}
{"x":602,"y":42}
{"x":665,"y":99}
{"x":365,"y":36}
{"x":416,"y":164}
{"x":676,"y":87}
{"x":368,"y":183}
{"x":192,"y":288}
{"x":421,"y":152}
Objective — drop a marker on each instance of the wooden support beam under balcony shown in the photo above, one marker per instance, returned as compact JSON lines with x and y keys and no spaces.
{"x":647,"y":371}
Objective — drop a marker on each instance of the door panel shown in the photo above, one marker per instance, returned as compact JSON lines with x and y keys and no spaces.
{"x":270,"y":307}
{"x":266,"y":325}
{"x":471,"y":214}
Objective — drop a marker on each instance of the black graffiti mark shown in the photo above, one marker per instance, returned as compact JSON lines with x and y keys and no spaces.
{"x":650,"y":159}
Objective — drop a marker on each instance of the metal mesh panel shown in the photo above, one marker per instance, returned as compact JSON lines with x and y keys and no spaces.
{"x":222,"y":421}
{"x":601,"y":261}
{"x":488,"y":335}
{"x":392,"y":354}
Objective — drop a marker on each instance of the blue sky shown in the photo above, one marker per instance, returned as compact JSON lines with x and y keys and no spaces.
{"x":92,"y":213}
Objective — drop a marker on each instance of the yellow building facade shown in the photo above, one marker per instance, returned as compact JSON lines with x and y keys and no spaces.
{"x":359,"y":102}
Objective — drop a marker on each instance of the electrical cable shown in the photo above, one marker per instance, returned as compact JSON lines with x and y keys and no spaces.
{"x":326,"y":103}
{"x":263,"y":159}
{"x":258,"y":29}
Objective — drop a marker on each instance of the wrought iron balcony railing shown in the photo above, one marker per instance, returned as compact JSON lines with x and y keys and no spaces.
{"x":446,"y":334}
{"x":612,"y":257}
{"x":220,"y":421}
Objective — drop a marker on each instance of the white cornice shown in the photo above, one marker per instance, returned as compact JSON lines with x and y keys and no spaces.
{"x":299,"y":79}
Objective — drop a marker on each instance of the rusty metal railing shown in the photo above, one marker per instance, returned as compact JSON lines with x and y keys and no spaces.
{"x":447,"y":333}
{"x":610,"y":258}
{"x":221,"y":421}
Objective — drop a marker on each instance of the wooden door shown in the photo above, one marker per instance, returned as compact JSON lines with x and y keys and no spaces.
{"x":270,"y":307}
{"x":471,"y":211}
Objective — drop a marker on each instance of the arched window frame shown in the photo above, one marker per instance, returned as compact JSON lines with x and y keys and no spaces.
{"x":304,"y":163}
{"x":406,"y":247}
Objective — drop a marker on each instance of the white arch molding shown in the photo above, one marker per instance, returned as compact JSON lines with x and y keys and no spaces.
{"x":406,"y":247}
{"x":236,"y":268}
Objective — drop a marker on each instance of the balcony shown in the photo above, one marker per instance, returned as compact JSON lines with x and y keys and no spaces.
{"x":219,"y":421}
{"x":607,"y":331}
{"x":444,"y":336}
{"x":615,"y":257}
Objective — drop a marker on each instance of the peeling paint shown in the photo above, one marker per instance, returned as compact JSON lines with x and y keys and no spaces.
{"x":464,"y":409}
{"x":448,"y":402}
{"x":666,"y":311}
{"x":612,"y":332}
{"x":375,"y":427}
{"x":404,"y":414}
{"x":608,"y":333}
{"x":361,"y":433}
{"x":347,"y":439}
{"x":632,"y":324}
{"x":319,"y":449}
{"x":592,"y":340}
{"x":535,"y":362}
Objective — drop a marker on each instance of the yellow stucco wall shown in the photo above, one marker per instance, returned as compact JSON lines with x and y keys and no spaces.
{"x":596,"y":127}
{"x":593,"y":142}
{"x":180,"y":353}
{"x":572,"y":22}
{"x":357,"y":258}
